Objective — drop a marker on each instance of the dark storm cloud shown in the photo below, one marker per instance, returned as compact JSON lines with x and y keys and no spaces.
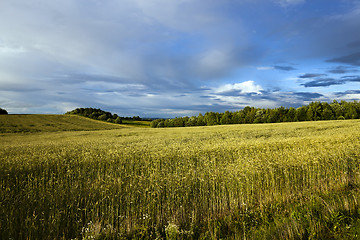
{"x":297,"y":97}
{"x":308,"y":95}
{"x":326,"y":82}
{"x":322,"y":36}
{"x":311,"y":75}
{"x":323,"y":82}
{"x":285,"y":68}
{"x":351,"y":78}
{"x":118,"y":45}
{"x":351,"y":59}
{"x":342,"y":70}
{"x":150,"y":57}
{"x":354,"y":44}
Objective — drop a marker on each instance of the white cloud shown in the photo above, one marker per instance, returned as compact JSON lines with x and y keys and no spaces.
{"x":9,"y":50}
{"x":243,"y":87}
{"x":265,"y":68}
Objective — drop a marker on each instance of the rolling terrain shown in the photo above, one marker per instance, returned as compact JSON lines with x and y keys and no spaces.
{"x":50,"y":123}
{"x":260,"y":181}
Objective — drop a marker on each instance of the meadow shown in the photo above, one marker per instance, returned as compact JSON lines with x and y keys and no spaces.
{"x":261,"y":181}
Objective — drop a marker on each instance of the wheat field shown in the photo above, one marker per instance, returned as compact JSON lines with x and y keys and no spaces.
{"x":262,"y":181}
{"x":34,"y":123}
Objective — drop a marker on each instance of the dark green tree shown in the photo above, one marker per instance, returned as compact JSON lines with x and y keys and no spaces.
{"x":118,"y":120}
{"x":211,"y":119}
{"x":200,"y":120}
{"x":103,"y":117}
{"x":93,"y":113}
{"x":300,"y":114}
{"x":260,"y":116}
{"x":136,"y":118}
{"x":191,"y":122}
{"x":226,"y":118}
{"x":290,"y":116}
{"x":3,"y":111}
{"x":155,"y":123}
{"x":313,"y":112}
{"x":338,"y":109}
{"x":249,"y":114}
{"x":236,"y":118}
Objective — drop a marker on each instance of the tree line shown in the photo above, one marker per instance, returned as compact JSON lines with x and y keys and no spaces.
{"x":313,"y":112}
{"x":3,"y":111}
{"x":97,"y":114}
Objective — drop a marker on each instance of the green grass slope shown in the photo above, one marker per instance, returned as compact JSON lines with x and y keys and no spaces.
{"x":50,"y":123}
{"x":143,"y":124}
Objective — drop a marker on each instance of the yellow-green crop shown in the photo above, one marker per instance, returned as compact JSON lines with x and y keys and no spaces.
{"x":288,"y":180}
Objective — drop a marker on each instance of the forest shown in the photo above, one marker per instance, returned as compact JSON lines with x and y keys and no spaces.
{"x":97,"y":114}
{"x":3,"y":111}
{"x":313,"y":112}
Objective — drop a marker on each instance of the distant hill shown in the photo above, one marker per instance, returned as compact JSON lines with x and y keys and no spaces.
{"x":96,"y":114}
{"x":50,"y":123}
{"x":101,"y":115}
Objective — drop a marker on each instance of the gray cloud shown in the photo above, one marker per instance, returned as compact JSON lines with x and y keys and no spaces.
{"x":311,"y":75}
{"x":323,"y":82}
{"x":354,"y":44}
{"x":347,"y":92}
{"x":285,"y":68}
{"x":322,"y":36}
{"x":351,"y":78}
{"x":351,"y":59}
{"x":308,"y":95}
{"x":326,"y":82}
{"x":342,"y":70}
{"x":128,"y":39}
{"x":287,"y":3}
{"x":144,"y":57}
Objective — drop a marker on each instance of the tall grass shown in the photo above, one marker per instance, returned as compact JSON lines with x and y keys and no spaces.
{"x":280,"y":181}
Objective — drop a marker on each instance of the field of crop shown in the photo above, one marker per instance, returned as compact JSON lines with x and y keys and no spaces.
{"x":49,"y":123}
{"x":136,"y":123}
{"x":263,"y":181}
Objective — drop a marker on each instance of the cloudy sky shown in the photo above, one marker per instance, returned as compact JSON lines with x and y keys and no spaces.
{"x":166,"y":58}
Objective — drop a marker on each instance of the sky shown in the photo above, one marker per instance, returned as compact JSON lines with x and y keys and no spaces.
{"x":169,"y":58}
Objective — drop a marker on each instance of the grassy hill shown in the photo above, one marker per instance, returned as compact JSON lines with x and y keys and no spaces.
{"x":50,"y":123}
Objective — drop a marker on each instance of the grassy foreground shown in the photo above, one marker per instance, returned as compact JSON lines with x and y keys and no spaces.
{"x":268,"y":181}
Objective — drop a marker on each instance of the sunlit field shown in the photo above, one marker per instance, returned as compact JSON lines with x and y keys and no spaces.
{"x":49,"y":123}
{"x":261,"y":181}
